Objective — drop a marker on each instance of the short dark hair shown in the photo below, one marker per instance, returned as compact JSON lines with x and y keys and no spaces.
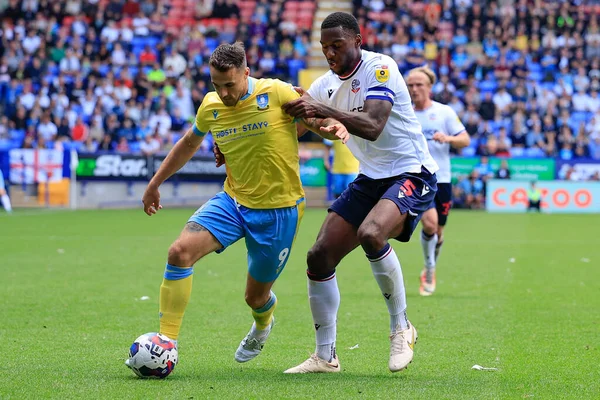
{"x":227,"y":56}
{"x":344,"y":20}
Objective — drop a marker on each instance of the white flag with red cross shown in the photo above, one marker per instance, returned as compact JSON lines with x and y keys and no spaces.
{"x":35,"y":165}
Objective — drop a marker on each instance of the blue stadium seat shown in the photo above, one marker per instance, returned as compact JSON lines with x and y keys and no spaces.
{"x":534,"y":152}
{"x":16,"y":134}
{"x":295,"y":67}
{"x":468,"y":152}
{"x":138,"y":41}
{"x":535,"y":76}
{"x":548,"y":85}
{"x":53,"y":70}
{"x":104,"y":69}
{"x":133,"y":71}
{"x":5,"y":144}
{"x":487,"y":86}
{"x":534,"y":67}
{"x":227,"y":37}
{"x":212,"y":43}
{"x":517,"y":152}
{"x":134,"y":147}
{"x":176,"y":136}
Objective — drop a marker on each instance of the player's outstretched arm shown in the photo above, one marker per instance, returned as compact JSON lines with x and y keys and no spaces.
{"x":367,"y":124}
{"x":327,"y":128}
{"x":181,"y":153}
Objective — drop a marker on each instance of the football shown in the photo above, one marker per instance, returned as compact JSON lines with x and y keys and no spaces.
{"x":152,"y":355}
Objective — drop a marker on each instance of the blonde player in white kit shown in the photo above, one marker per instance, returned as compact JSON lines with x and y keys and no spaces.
{"x":442,"y":129}
{"x":395,"y":186}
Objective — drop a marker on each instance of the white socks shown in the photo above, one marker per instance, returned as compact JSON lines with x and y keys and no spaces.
{"x":6,"y":203}
{"x":324,"y":298}
{"x":429,"y":243}
{"x":388,"y":274}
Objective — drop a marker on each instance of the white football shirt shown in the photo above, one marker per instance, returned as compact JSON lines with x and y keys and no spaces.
{"x":401,"y":147}
{"x":440,"y":118}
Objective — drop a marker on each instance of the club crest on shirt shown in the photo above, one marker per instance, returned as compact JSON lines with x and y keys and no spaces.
{"x":382,"y":74}
{"x":355,"y":85}
{"x":262,"y":100}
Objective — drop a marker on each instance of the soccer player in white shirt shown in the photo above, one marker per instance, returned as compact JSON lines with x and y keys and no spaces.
{"x":442,"y":129}
{"x":366,"y":92}
{"x":4,"y":196}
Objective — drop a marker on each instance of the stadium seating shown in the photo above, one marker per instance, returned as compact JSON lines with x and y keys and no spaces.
{"x":414,"y":33}
{"x":85,"y":54}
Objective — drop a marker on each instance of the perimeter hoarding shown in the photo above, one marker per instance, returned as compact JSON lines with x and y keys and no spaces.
{"x":557,"y":196}
{"x":539,"y":169}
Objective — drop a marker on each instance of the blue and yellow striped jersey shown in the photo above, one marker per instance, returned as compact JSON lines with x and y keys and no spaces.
{"x":259,"y":142}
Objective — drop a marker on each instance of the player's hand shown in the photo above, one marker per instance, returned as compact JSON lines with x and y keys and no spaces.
{"x":338,"y":130}
{"x":299,"y":90}
{"x":151,"y":200}
{"x":304,"y":107}
{"x":219,"y":157}
{"x":441,"y":137}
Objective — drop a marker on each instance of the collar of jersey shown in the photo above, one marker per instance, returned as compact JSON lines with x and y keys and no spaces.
{"x":351,"y":74}
{"x":250,"y":88}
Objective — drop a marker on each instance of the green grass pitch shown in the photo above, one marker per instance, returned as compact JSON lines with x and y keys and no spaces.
{"x":520,"y":293}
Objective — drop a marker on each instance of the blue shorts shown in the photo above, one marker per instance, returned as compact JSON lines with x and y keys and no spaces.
{"x":412,"y":193}
{"x":2,"y":186}
{"x":269,"y":233}
{"x":443,"y":202}
{"x":340,"y":182}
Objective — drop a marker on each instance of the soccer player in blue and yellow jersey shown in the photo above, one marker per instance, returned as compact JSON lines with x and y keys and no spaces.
{"x":344,"y":169}
{"x":262,"y":199}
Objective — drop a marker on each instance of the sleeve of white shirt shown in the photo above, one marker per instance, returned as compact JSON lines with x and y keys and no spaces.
{"x":453,"y":124}
{"x":316,"y":89}
{"x":383,"y":79}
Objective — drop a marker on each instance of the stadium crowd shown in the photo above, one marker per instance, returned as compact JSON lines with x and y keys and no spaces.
{"x":127,"y":75}
{"x":523,"y":75}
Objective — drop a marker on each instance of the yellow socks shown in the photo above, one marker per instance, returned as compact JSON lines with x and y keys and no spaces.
{"x":175,"y":293}
{"x":264,"y":315}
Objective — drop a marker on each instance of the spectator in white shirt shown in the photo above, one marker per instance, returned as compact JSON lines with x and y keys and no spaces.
{"x":88,"y":102}
{"x":593,"y":101}
{"x":502,"y":100}
{"x":581,"y":80}
{"x":70,"y":64}
{"x":140,"y":24}
{"x":79,"y":26}
{"x":161,"y":120}
{"x":110,"y":33}
{"x":31,"y":42}
{"x":27,"y":99}
{"x":176,"y":61}
{"x":46,"y":128}
{"x":580,"y":101}
{"x":118,"y":55}
{"x":122,"y":92}
{"x":562,"y":88}
{"x":150,"y":145}
{"x":125,"y":33}
{"x":457,"y":105}
{"x":181,"y":98}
